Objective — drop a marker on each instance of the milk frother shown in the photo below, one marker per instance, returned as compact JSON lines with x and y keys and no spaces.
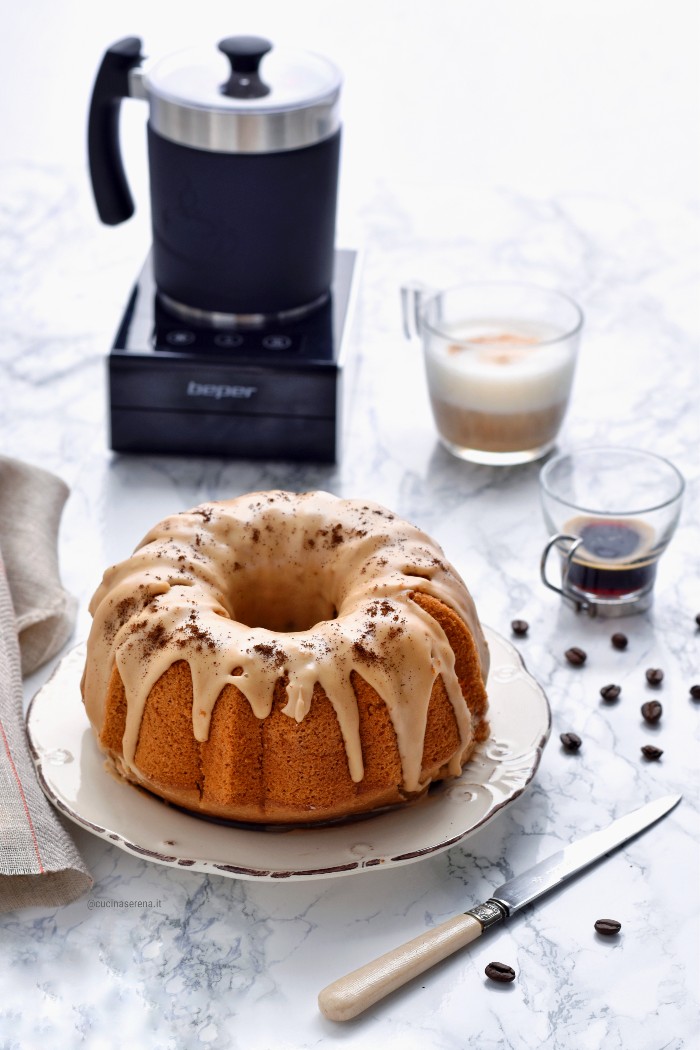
{"x":243,"y":147}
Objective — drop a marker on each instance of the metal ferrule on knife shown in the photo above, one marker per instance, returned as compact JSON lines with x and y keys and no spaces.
{"x":489,"y":913}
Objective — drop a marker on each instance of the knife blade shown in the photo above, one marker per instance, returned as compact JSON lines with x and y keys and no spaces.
{"x":350,"y":995}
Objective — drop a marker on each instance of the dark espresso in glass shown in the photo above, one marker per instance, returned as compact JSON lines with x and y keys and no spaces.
{"x":616,"y":556}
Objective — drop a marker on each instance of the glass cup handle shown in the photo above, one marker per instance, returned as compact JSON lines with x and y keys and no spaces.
{"x":412,"y":296}
{"x":560,"y":540}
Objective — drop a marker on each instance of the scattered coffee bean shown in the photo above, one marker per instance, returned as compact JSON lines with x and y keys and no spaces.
{"x":655,"y":676}
{"x":498,"y":971}
{"x":519,"y":627}
{"x":652,"y":753}
{"x":652,"y":711}
{"x":575,"y":656}
{"x":697,"y":619}
{"x":608,"y":926}
{"x":695,"y":692}
{"x":610,"y":693}
{"x":619,"y":640}
{"x":570,"y":741}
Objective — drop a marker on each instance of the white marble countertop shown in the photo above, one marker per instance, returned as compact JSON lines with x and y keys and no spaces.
{"x":218,"y":962}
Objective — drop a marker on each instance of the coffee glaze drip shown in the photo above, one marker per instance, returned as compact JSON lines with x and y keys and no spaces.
{"x":308,"y":587}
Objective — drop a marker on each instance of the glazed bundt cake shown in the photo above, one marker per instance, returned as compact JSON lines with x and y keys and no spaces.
{"x":286,"y":658}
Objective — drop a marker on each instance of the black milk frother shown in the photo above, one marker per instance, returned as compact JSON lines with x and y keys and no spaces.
{"x":243,"y":146}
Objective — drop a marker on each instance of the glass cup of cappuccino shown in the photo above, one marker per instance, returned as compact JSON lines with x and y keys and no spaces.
{"x":611,"y":513}
{"x":499,"y":360}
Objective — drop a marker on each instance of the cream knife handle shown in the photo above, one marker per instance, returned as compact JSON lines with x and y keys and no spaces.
{"x":350,"y":995}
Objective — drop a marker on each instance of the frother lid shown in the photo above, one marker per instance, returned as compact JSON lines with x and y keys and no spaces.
{"x":244,"y":96}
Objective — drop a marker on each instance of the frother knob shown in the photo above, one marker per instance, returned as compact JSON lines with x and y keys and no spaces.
{"x":245,"y":53}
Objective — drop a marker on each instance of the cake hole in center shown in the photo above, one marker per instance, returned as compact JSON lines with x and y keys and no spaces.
{"x":280,"y":605}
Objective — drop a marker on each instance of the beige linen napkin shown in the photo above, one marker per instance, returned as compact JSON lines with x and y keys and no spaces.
{"x":39,"y":864}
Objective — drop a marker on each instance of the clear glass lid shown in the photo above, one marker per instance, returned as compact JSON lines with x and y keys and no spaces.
{"x":244,"y":75}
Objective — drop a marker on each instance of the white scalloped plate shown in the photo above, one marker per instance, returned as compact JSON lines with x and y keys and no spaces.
{"x":72,"y":773}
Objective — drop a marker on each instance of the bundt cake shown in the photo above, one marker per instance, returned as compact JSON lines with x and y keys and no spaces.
{"x":286,"y":658}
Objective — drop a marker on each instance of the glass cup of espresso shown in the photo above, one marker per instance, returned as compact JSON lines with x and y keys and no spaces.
{"x":611,"y":513}
{"x":499,"y":361}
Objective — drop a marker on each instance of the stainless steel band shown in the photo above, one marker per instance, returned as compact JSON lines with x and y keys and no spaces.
{"x":216,"y":319}
{"x":230,"y":131}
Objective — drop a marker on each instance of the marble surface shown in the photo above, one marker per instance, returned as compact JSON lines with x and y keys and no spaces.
{"x":216,"y":962}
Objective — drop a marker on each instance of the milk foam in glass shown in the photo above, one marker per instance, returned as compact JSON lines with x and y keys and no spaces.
{"x":500,"y":362}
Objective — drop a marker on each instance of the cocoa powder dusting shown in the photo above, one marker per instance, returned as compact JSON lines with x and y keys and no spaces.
{"x":271,"y":653}
{"x":364,"y":655}
{"x":193,"y":632}
{"x":154,"y":639}
{"x":205,"y":513}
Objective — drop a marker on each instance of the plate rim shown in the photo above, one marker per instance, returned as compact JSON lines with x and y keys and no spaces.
{"x":261,"y":874}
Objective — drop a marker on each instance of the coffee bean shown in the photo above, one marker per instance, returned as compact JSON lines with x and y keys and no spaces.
{"x":610,"y":693}
{"x":652,"y":753}
{"x":608,"y":926}
{"x":519,"y":627}
{"x":695,"y":692}
{"x":697,"y":619}
{"x":570,"y":741}
{"x":498,"y":971}
{"x":652,"y":711}
{"x":575,"y":656}
{"x":655,"y":675}
{"x":619,"y":640}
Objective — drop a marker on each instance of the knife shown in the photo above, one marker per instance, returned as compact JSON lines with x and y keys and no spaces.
{"x":350,"y":995}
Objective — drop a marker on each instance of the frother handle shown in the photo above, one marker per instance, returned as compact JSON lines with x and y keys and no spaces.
{"x":109,"y":185}
{"x":350,"y":995}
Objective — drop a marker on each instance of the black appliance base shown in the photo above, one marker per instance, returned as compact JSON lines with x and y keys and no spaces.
{"x":274,"y":392}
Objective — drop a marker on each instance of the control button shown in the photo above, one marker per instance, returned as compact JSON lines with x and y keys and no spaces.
{"x":228,"y":340}
{"x":276,"y":342}
{"x":180,"y":337}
